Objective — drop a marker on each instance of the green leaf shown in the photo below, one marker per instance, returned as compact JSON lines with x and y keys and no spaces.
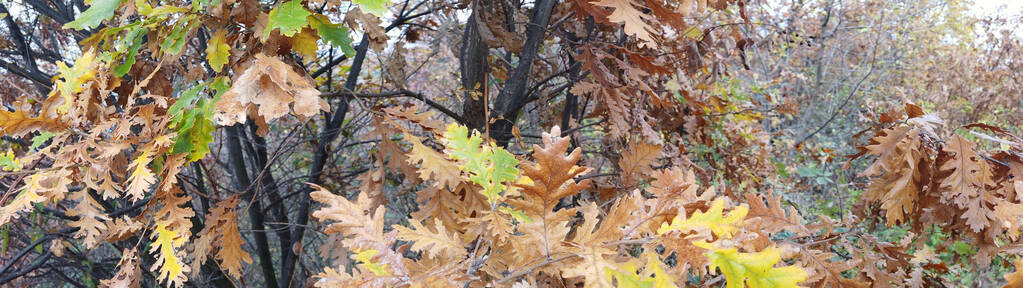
{"x":756,"y":270}
{"x":487,"y":166}
{"x":132,"y":42}
{"x":194,"y":126}
{"x":505,"y":165}
{"x":518,"y":215}
{"x":40,"y":139}
{"x":217,"y":51}
{"x":6,"y":235}
{"x":289,"y":17}
{"x":176,"y":40}
{"x":628,"y":278}
{"x":98,"y":11}
{"x":9,"y":162}
{"x":334,"y":34}
{"x":375,"y":7}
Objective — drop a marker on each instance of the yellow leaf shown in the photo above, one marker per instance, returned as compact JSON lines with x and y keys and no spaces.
{"x":304,"y":43}
{"x":756,"y":270}
{"x":72,"y":78}
{"x":433,"y":164}
{"x":627,"y":277}
{"x":366,"y":257}
{"x":712,"y":219}
{"x":141,"y":177}
{"x":172,"y":270}
{"x":218,"y":53}
{"x":653,"y":270}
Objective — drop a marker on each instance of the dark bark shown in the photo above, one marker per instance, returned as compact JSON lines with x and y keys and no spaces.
{"x":513,"y":97}
{"x":327,"y":136}
{"x":213,"y":273}
{"x":242,"y":183}
{"x":473,"y":65}
{"x":268,"y":183}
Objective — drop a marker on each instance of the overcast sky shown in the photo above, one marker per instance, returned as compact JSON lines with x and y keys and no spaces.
{"x":1001,"y":7}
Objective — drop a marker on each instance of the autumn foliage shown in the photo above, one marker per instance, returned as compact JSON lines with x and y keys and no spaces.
{"x":611,"y":143}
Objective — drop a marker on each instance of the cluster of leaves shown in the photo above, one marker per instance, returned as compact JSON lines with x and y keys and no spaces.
{"x":524,"y":234}
{"x":112,"y":139}
{"x":112,"y":130}
{"x":925,"y":180}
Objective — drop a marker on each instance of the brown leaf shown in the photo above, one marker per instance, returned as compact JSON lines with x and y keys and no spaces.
{"x":265,"y":91}
{"x":969,"y":175}
{"x":635,"y":163}
{"x":17,"y":123}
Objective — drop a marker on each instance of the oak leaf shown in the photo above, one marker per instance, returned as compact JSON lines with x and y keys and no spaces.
{"x":433,"y":164}
{"x":128,"y":272}
{"x":635,"y":163}
{"x":435,"y":240}
{"x":218,"y":52}
{"x":897,"y":172}
{"x":265,"y":90}
{"x":755,"y":270}
{"x":552,"y":176}
{"x":634,"y":20}
{"x":713,"y":220}
{"x":289,"y":17}
{"x":90,"y":220}
{"x":361,"y":224}
{"x":18,"y":123}
{"x":165,"y":248}
{"x":771,"y":216}
{"x":39,"y":187}
{"x":594,"y":267}
{"x":141,"y":177}
{"x":488,"y":166}
{"x":221,"y":231}
{"x":969,"y":175}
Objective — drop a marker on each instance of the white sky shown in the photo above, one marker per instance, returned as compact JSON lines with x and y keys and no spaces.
{"x":999,"y":7}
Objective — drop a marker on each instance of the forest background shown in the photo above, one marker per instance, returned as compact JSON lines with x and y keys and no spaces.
{"x":541,"y":143}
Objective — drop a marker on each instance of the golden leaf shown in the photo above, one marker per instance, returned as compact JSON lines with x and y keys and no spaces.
{"x":164,"y":248}
{"x":433,"y":165}
{"x":141,"y":177}
{"x":436,"y":241}
{"x":17,"y":123}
